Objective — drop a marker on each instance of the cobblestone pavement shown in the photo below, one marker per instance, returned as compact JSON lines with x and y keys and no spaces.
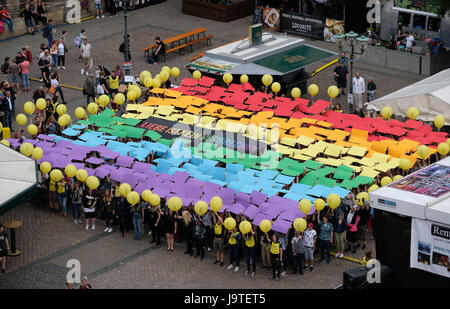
{"x":47,"y":241}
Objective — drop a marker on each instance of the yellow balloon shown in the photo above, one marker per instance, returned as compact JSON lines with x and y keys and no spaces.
{"x":165,"y":69}
{"x":62,"y":121}
{"x":61,"y":109}
{"x":70,"y":170}
{"x":413,"y":113}
{"x":404,"y":164}
{"x":300,"y":224}
{"x":319,"y":204}
{"x":81,"y":175}
{"x":267,"y":79}
{"x":137,"y":91}
{"x":333,"y":200}
{"x":361,"y":199}
{"x":154,"y":199}
{"x":26,"y":149}
{"x":313,"y":90}
{"x":5,"y":142}
{"x":443,"y":149}
{"x":92,"y":108}
{"x":41,"y":104}
{"x":29,"y":107}
{"x":146,"y":195}
{"x":265,"y":226}
{"x":131,"y":95}
{"x":156,"y":83}
{"x":448,"y":141}
{"x":386,"y":112}
{"x":164,"y":75}
{"x":333,"y":91}
{"x":397,"y":177}
{"x":175,"y":72}
{"x":145,"y":74}
{"x":148,"y":82}
{"x":385,"y":181}
{"x":229,"y":223}
{"x":245,"y":227}
{"x":201,"y":208}
{"x":305,"y":206}
{"x":197,"y":75}
{"x":103,"y":100}
{"x":227,"y":78}
{"x":32,"y":129}
{"x":439,"y":121}
{"x":80,"y":113}
{"x":119,"y":99}
{"x":21,"y":119}
{"x":133,"y":197}
{"x":1,"y":127}
{"x":175,"y":203}
{"x":92,"y":182}
{"x":124,"y":189}
{"x":216,"y":203}
{"x":37,"y":153}
{"x":56,"y":175}
{"x":45,"y":167}
{"x":373,"y":188}
{"x":296,"y":92}
{"x":276,"y":87}
{"x":422,"y":151}
{"x":244,"y":78}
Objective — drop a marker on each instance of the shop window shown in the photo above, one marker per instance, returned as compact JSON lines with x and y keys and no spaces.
{"x":419,"y":21}
{"x":434,"y":24}
{"x":404,"y":18}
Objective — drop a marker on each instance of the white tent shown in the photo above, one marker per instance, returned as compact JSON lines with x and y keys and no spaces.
{"x":430,"y":95}
{"x":18,"y":176}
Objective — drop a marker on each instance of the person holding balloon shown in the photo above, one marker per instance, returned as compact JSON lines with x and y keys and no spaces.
{"x":188,"y":230}
{"x":199,"y":236}
{"x":52,"y":195}
{"x":233,"y":240}
{"x":250,"y":250}
{"x":62,"y":196}
{"x":276,"y":256}
{"x":219,"y":235}
{"x":122,"y":210}
{"x":137,"y":211}
{"x":90,"y":199}
{"x":170,"y":228}
{"x":352,"y":228}
{"x":108,"y":206}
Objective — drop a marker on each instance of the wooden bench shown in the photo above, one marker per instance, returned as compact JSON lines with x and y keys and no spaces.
{"x":174,"y":43}
{"x":199,"y":55}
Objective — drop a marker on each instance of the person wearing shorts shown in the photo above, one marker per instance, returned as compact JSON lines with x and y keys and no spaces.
{"x":89,"y":202}
{"x":309,"y":239}
{"x":219,"y":242}
{"x":86,"y":55}
{"x":99,"y":9}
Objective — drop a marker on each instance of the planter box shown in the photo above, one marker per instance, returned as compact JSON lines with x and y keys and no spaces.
{"x":223,"y":13}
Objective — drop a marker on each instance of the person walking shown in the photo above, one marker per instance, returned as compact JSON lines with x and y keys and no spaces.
{"x":54,"y":53}
{"x":4,"y":247}
{"x":77,"y":199}
{"x":188,"y":230}
{"x":90,"y":199}
{"x":86,"y":55}
{"x":48,"y":32}
{"x":359,"y":89}
{"x":233,"y":241}
{"x":137,"y":212}
{"x":276,"y":256}
{"x":340,"y":73}
{"x":298,"y":252}
{"x":310,"y":239}
{"x":99,"y":9}
{"x":250,"y":251}
{"x":109,"y":208}
{"x":219,"y":238}
{"x":325,"y":239}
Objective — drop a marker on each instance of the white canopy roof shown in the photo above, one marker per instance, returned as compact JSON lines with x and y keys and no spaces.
{"x":413,"y":204}
{"x":430,"y":95}
{"x":17,"y":174}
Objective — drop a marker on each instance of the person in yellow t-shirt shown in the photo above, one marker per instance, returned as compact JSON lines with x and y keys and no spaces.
{"x":52,"y":196}
{"x":233,"y":241}
{"x":250,"y":251}
{"x":276,"y":256}
{"x":113,"y":82}
{"x":62,"y":196}
{"x":219,"y":235}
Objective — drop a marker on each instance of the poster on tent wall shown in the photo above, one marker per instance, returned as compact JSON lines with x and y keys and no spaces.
{"x":430,"y":247}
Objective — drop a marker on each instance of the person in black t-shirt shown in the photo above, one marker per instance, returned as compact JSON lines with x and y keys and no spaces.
{"x":4,"y":247}
{"x":46,"y":74}
{"x":160,"y":50}
{"x":340,"y":73}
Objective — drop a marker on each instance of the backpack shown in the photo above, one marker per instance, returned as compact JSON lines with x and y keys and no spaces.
{"x":77,"y":41}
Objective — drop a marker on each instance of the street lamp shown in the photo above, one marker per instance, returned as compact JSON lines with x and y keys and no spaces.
{"x":126,"y":55}
{"x":352,"y":39}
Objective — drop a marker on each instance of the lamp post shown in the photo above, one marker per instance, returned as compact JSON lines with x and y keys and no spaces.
{"x":351,"y":38}
{"x":126,"y":55}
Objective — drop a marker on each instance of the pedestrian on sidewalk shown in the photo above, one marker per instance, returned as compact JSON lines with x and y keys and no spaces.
{"x":78,"y":41}
{"x":371,"y":90}
{"x":48,"y":32}
{"x":24,"y":68}
{"x":89,"y":88}
{"x":54,"y":53}
{"x":99,"y":9}
{"x":86,"y":55}
{"x":340,"y":76}
{"x":8,"y":107}
{"x":359,"y":89}
{"x":62,"y":50}
{"x":14,"y":78}
{"x":4,"y":248}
